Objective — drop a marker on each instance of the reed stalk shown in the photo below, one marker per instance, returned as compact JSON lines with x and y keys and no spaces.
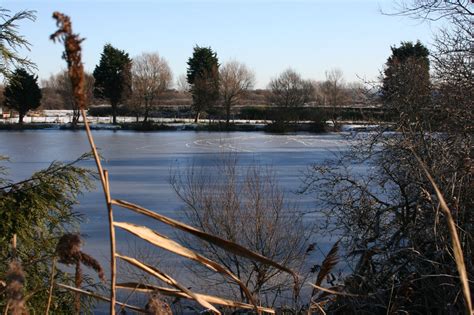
{"x":51,"y":286}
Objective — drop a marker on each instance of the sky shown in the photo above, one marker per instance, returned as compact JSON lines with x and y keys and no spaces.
{"x":269,"y":36}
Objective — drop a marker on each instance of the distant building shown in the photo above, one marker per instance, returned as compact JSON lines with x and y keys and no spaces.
{"x":4,"y":113}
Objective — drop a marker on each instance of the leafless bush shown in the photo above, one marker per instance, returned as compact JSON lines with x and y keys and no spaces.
{"x":244,"y":205}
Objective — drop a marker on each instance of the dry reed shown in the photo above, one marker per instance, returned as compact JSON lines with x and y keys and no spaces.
{"x":72,"y":55}
{"x":227,"y":245}
{"x":455,"y":242}
{"x":179,"y":294}
{"x":167,"y":279}
{"x":99,"y":297}
{"x":172,"y":246}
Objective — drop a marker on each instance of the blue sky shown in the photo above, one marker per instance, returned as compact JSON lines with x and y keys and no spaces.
{"x":269,"y":36}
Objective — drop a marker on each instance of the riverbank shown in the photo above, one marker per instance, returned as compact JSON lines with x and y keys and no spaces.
{"x":176,"y":126}
{"x":217,"y":126}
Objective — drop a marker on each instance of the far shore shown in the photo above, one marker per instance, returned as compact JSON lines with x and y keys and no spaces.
{"x":166,"y":124}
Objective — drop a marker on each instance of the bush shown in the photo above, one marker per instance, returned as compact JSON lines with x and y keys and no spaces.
{"x":253,"y":113}
{"x":146,"y":126}
{"x":104,"y":111}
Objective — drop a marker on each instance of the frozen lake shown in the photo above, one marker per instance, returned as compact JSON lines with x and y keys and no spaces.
{"x":140,"y":163}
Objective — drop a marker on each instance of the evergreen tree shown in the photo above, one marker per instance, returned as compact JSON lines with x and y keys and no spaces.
{"x":406,"y":88}
{"x":203,"y":76}
{"x":22,"y":93}
{"x":113,"y":77}
{"x":38,"y":211}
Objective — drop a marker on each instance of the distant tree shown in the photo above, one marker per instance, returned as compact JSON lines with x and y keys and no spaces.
{"x":334,"y":87}
{"x":203,"y":77}
{"x":151,"y":76}
{"x":406,"y":87}
{"x":11,"y":42}
{"x":22,"y":92}
{"x":235,"y":80}
{"x":182,"y":84}
{"x":60,"y":84}
{"x":334,"y":92}
{"x":2,"y":96}
{"x":290,"y":90}
{"x":113,"y":77}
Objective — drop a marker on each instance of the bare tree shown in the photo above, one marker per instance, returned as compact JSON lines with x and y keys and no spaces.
{"x":434,"y":10}
{"x":453,"y":76}
{"x":235,"y":80}
{"x":244,"y":205}
{"x":334,"y":87}
{"x":290,"y":90}
{"x":151,"y":76}
{"x":182,"y":84}
{"x":60,"y":84}
{"x":334,"y":93}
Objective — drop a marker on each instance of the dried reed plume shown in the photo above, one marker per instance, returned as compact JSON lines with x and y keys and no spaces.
{"x":69,"y":253}
{"x":156,"y":306}
{"x":15,"y":280}
{"x":72,"y":55}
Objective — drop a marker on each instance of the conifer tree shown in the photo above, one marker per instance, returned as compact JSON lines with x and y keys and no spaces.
{"x":203,"y":76}
{"x":22,"y":93}
{"x":406,"y":88}
{"x":113,"y":78}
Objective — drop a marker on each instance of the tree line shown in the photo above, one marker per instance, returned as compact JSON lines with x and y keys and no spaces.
{"x":146,"y":81}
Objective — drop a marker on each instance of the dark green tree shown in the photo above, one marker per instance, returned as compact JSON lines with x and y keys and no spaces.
{"x":203,"y":76}
{"x":22,"y":92}
{"x":406,"y":87}
{"x":113,"y":78}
